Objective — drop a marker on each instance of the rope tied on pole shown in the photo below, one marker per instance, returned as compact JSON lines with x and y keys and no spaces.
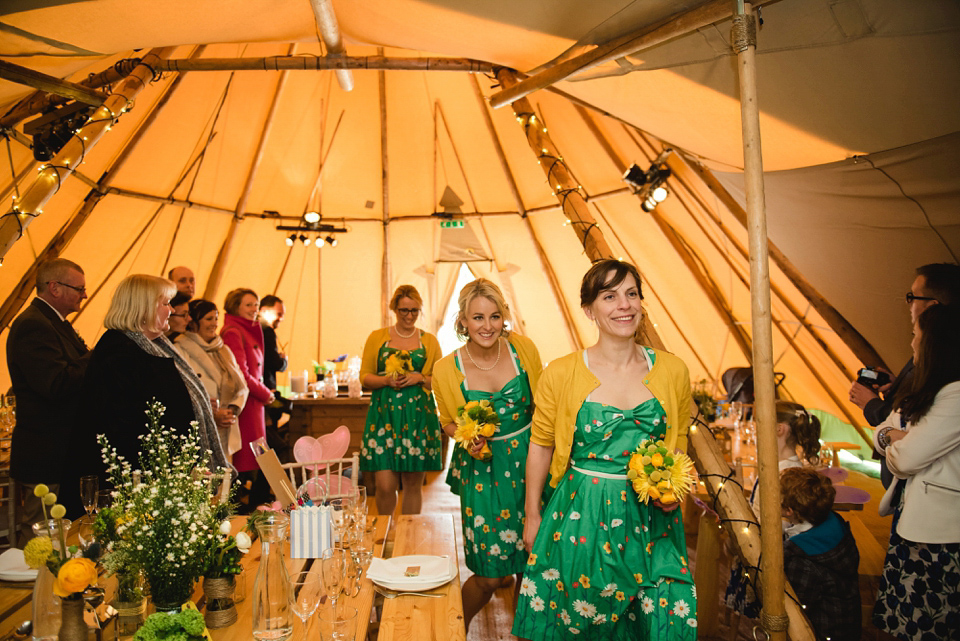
{"x":743,"y":33}
{"x":774,"y":623}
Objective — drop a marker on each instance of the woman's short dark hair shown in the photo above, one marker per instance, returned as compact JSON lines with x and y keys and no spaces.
{"x":598,"y":278}
{"x":937,"y":363}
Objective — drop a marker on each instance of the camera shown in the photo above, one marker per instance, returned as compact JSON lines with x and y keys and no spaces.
{"x":871,"y":377}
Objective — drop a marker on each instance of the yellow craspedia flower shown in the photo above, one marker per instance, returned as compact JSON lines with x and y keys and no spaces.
{"x":58,"y":511}
{"x":37,"y":551}
{"x":49,"y":499}
{"x":40,"y":490}
{"x":76,"y":575}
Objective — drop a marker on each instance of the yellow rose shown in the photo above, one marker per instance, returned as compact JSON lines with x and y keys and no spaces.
{"x":653,"y":493}
{"x":668,"y":498}
{"x":657,"y":459}
{"x":75,"y":576}
{"x":488,"y":430}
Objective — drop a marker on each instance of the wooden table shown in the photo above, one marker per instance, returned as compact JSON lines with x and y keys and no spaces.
{"x":318,"y":416}
{"x":413,"y":618}
{"x":363,"y":602}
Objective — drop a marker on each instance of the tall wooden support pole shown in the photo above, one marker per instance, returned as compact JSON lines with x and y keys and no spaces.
{"x":14,"y":302}
{"x":330,"y":32}
{"x":837,"y":322}
{"x":385,"y":196}
{"x":773,"y":617}
{"x":575,"y":341}
{"x":216,"y":272}
{"x":52,"y":175}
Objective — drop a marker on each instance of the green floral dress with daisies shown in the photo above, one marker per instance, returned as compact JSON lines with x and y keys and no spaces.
{"x":605,"y":566}
{"x":492,"y":492}
{"x":402,"y":431}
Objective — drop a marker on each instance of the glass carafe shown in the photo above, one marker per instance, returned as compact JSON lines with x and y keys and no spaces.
{"x":272,"y":590}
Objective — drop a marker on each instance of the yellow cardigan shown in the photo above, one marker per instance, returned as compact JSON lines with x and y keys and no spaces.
{"x":447,"y":378}
{"x":568,"y":381}
{"x":368,"y":364}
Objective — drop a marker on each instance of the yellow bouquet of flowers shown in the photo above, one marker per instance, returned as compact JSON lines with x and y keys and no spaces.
{"x":474,"y":419}
{"x":398,"y":364}
{"x":658,"y":474}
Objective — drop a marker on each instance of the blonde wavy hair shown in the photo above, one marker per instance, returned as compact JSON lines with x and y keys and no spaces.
{"x":472,"y":291}
{"x":134,"y":304}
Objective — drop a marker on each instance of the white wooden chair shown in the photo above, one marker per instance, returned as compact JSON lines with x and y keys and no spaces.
{"x":330,"y":474}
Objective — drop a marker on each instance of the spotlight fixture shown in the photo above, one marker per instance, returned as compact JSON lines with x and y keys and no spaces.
{"x":305,"y":240}
{"x":331,"y":241}
{"x":291,"y":239}
{"x":316,"y":232}
{"x":319,"y":241}
{"x":649,"y":185}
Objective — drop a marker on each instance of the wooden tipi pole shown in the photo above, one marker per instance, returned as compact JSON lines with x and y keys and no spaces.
{"x":847,"y":332}
{"x":385,"y":197}
{"x":16,"y":299}
{"x":773,"y":617}
{"x":575,"y":340}
{"x":52,"y":175}
{"x":216,"y":272}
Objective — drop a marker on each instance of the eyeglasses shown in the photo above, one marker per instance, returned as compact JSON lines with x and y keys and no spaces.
{"x":408,"y":312}
{"x":79,"y":290}
{"x":912,"y":297}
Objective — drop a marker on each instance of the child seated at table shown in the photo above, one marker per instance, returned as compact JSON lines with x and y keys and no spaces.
{"x":820,"y":556}
{"x":797,"y":429}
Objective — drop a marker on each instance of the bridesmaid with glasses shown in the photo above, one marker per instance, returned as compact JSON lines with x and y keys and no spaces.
{"x":401,"y":439}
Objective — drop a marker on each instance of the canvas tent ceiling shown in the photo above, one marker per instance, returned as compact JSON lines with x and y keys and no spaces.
{"x":836,"y":78}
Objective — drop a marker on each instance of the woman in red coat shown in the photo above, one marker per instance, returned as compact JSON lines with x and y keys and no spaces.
{"x":242,"y":334}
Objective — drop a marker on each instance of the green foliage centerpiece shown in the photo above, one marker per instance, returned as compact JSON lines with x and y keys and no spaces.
{"x":164,"y":520}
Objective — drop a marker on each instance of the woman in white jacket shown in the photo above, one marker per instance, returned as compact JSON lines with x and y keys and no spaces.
{"x":217,"y":368}
{"x":919,"y":596}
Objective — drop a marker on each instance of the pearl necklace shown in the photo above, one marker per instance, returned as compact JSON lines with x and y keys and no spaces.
{"x":484,"y":369}
{"x":404,"y":335}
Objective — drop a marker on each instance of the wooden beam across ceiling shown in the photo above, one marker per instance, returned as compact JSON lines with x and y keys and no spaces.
{"x":50,"y":84}
{"x":318,"y":63}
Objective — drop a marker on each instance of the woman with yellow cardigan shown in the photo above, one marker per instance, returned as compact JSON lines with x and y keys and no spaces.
{"x":402,"y":436}
{"x":501,"y":368}
{"x":602,"y":564}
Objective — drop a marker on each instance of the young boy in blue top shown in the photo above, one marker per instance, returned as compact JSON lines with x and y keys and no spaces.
{"x":820,"y":556}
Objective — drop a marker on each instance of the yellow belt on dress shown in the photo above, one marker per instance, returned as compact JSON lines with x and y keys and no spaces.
{"x":511,"y":434}
{"x":603,"y":475}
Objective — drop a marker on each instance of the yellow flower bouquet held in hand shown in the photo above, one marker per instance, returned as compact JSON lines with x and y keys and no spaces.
{"x":475,"y":419}
{"x":658,"y":474}
{"x":398,"y":364}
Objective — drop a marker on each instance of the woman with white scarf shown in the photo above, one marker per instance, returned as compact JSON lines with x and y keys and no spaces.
{"x":217,"y":368}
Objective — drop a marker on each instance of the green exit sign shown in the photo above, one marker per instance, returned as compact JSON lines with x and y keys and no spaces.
{"x":451,"y":224}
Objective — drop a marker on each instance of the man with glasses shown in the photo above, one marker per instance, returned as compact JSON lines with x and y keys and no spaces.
{"x":47,"y":360}
{"x":935,"y":284}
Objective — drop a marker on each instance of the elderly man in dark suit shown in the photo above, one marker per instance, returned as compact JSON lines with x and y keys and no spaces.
{"x":47,"y":360}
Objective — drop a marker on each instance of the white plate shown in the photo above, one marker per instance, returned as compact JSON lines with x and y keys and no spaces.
{"x":412,"y":585}
{"x":13,"y":567}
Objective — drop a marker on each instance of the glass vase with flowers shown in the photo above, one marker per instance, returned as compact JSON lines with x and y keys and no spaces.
{"x":166,"y":522}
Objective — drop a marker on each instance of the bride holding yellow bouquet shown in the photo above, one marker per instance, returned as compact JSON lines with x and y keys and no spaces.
{"x":484,"y":394}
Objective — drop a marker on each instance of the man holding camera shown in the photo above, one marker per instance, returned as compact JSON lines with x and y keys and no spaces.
{"x":873,"y":391}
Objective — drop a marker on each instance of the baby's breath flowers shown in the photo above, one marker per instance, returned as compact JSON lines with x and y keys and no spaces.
{"x":165,"y":522}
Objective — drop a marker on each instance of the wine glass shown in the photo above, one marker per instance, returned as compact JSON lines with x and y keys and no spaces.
{"x":333,"y":566}
{"x":89,"y":487}
{"x":306,"y":594}
{"x":342,"y":515}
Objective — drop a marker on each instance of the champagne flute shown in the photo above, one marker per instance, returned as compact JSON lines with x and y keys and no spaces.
{"x":333,"y":565}
{"x":342,"y":515}
{"x":89,"y":487}
{"x":305,"y":596}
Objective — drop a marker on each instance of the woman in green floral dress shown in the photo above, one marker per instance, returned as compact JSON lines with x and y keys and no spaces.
{"x":502,"y":368}
{"x":603,"y":565}
{"x":402,"y":436}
